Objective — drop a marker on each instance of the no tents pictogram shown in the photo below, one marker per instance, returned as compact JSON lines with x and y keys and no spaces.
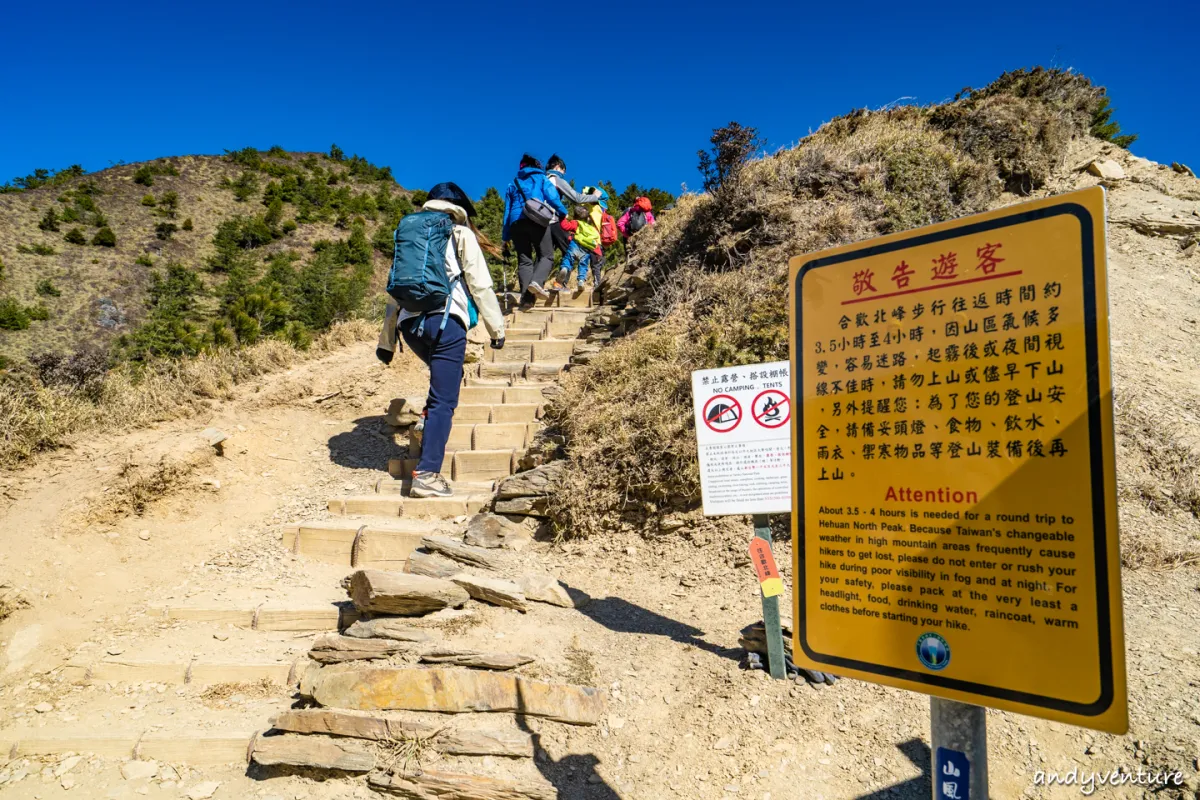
{"x":772,"y":409}
{"x":722,"y":413}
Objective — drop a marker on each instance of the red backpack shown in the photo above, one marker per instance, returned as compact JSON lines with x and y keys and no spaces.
{"x":608,"y":229}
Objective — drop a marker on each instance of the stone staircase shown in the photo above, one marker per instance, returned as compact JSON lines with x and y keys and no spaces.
{"x":251,"y":642}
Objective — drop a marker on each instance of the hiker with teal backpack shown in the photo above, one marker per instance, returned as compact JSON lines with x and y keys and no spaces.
{"x":531,"y":207}
{"x":441,"y":286}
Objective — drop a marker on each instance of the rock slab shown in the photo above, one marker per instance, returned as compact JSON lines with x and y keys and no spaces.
{"x":539,"y":481}
{"x":545,"y":589}
{"x":330,"y":648}
{"x":384,"y":628}
{"x":1106,"y":168}
{"x":380,"y":726}
{"x":493,"y":531}
{"x":455,"y":691}
{"x":475,"y":659}
{"x":403,"y":594}
{"x":462,"y":553}
{"x":431,"y":565}
{"x":319,"y":752}
{"x":452,"y":786}
{"x":494,"y":591}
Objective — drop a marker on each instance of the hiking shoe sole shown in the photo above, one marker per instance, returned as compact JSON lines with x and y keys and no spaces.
{"x":536,"y":289}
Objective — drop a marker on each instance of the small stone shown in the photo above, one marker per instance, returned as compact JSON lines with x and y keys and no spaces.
{"x":115,"y":650}
{"x":732,"y":788}
{"x":725,"y":743}
{"x":616,"y":723}
{"x":67,"y":783}
{"x":139,"y":770}
{"x":202,"y":791}
{"x":144,"y":536}
{"x":545,"y":589}
{"x":66,"y":765}
{"x":1106,"y":168}
{"x":220,"y":637}
{"x":43,"y":708}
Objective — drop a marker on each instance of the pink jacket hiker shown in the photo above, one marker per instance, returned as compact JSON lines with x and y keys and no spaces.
{"x":643,"y":203}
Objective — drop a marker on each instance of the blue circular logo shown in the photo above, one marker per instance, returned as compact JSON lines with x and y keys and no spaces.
{"x":933,"y":651}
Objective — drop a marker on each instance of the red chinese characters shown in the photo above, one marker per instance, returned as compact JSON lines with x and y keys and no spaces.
{"x":987,"y":257}
{"x":901,"y":274}
{"x":862,"y":281}
{"x":945,"y":267}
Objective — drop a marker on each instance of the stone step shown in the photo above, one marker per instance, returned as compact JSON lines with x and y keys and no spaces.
{"x":170,"y":747}
{"x":192,"y":672}
{"x":401,"y":485}
{"x":526,"y":319}
{"x":524,"y":395}
{"x":472,"y":379}
{"x":501,"y":369}
{"x":553,"y":350}
{"x":481,"y":395}
{"x":484,"y":436}
{"x":390,"y":504}
{"x":263,"y":616}
{"x":375,"y":544}
{"x":567,"y":329}
{"x":513,"y":333}
{"x":514,"y":412}
{"x":463,"y":466}
{"x":513,"y":351}
{"x":544,"y":371}
{"x":573,"y":299}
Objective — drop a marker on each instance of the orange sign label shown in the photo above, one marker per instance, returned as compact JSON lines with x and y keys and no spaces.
{"x":764,"y":566}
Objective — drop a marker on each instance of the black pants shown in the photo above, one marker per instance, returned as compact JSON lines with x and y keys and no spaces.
{"x":561,"y":238}
{"x":535,"y":253}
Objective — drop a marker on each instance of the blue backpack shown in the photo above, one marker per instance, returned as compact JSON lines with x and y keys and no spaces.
{"x":418,"y":281}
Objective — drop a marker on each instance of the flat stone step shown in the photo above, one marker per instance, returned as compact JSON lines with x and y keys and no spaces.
{"x":526,"y":319}
{"x":177,"y":673}
{"x":401,"y":485}
{"x":480,"y":465}
{"x":573,"y":299}
{"x":481,"y":395}
{"x":398,"y":505}
{"x":472,"y":379}
{"x":513,"y":351}
{"x":544,"y":371}
{"x":567,"y":329}
{"x":376,"y":544}
{"x":524,"y":395}
{"x":265,"y":616}
{"x":501,"y":369}
{"x":204,"y":749}
{"x":514,"y":412}
{"x":551,"y":350}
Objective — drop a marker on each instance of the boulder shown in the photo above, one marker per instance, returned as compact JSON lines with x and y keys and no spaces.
{"x":475,"y":659}
{"x":454,"y":786}
{"x":431,"y":565}
{"x":404,"y":411}
{"x":524,"y":506}
{"x":384,"y":628}
{"x":319,"y":752}
{"x":455,"y":691}
{"x":535,"y":482}
{"x":545,"y":589}
{"x":403,"y":594}
{"x":462,"y":553}
{"x":492,"y":531}
{"x":1106,"y":168}
{"x":493,"y":591}
{"x":330,"y":648}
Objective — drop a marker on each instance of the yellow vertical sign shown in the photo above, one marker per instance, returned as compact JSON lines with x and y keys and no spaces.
{"x":954,"y":514}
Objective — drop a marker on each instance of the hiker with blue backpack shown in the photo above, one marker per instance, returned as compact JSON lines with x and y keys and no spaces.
{"x":532,"y":206}
{"x":441,"y":286}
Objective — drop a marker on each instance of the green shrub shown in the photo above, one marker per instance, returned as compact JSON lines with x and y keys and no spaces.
{"x":145,"y":260}
{"x":49,"y":221}
{"x":39,"y":312}
{"x":75,"y":236}
{"x":46,"y":288}
{"x":299,"y":336}
{"x":99,"y":220}
{"x":336,"y":153}
{"x":36,"y":249}
{"x":187,"y":224}
{"x":278,"y":152}
{"x":13,"y":316}
{"x":71,"y":214}
{"x":1106,"y":128}
{"x":289,"y":226}
{"x":105,"y":238}
{"x":170,"y":202}
{"x":165,"y":230}
{"x":148,"y":200}
{"x":1,"y":269}
{"x":244,"y":187}
{"x":144,"y":175}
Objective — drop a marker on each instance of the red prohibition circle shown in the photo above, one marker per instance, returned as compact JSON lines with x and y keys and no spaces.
{"x":730,"y":412}
{"x":787,"y":400}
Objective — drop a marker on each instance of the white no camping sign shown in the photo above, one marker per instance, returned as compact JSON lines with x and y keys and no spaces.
{"x":744,"y":438}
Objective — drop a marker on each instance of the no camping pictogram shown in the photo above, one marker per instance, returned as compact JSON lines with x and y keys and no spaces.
{"x":772,"y":409}
{"x":722,"y":413}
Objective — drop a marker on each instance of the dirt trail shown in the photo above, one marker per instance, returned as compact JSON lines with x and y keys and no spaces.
{"x":659,"y":632}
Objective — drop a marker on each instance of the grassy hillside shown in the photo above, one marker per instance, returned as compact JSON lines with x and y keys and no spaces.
{"x":709,"y":289}
{"x":170,"y":256}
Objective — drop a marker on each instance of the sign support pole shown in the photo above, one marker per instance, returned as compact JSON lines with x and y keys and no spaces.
{"x":770,"y":605}
{"x":959,"y":734}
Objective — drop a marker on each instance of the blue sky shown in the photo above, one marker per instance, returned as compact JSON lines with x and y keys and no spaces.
{"x":625,"y":91}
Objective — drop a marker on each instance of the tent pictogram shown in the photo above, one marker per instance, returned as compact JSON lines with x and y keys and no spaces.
{"x":722,"y":413}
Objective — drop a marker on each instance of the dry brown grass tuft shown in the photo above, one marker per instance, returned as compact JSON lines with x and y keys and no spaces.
{"x":223,"y":692}
{"x":34,"y":417}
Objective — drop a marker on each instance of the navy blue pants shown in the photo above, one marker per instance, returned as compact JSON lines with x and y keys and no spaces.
{"x":443,"y":351}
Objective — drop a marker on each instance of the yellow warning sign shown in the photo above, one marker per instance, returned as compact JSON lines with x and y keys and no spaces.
{"x":954,"y":513}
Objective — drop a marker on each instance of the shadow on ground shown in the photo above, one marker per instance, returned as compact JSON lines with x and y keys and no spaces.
{"x":622,"y":616}
{"x":368,"y":446}
{"x":573,"y":776}
{"x":918,"y":788}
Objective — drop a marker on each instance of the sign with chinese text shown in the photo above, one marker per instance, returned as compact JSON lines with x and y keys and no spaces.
{"x":764,"y":566}
{"x":955,"y":494}
{"x":743,"y":438}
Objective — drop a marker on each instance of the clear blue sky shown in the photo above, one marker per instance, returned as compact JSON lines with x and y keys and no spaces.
{"x":444,"y":91}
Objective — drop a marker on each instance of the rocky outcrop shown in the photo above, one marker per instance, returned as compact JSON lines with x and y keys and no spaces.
{"x":536,"y":482}
{"x":462,"y":553}
{"x":403,"y":594}
{"x":493,"y":591}
{"x":330,"y":648}
{"x":318,"y":752}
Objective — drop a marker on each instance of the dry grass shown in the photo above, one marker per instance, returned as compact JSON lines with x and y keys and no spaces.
{"x":34,"y":417}
{"x":220,"y":693}
{"x":716,"y":268}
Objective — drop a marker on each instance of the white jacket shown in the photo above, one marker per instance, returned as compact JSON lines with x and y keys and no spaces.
{"x":463,"y":256}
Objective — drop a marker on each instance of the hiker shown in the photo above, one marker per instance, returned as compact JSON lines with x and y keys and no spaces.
{"x":637,"y":216}
{"x":584,"y":247}
{"x":556,"y":173}
{"x":609,"y":232}
{"x":438,"y":335}
{"x":531,"y":208}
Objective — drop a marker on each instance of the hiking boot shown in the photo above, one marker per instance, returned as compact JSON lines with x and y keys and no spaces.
{"x":538,"y":291}
{"x":563,"y":275}
{"x":429,"y":484}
